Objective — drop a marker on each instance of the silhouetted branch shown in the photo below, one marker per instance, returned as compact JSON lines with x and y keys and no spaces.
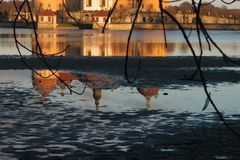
{"x":201,"y":73}
{"x":133,"y":78}
{"x":69,"y":14}
{"x":109,"y":15}
{"x":200,"y":29}
{"x":38,"y":52}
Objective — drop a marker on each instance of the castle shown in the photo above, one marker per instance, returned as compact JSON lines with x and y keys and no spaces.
{"x":95,"y":11}
{"x":55,"y":5}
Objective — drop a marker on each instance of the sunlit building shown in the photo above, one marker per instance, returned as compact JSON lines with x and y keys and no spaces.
{"x":52,"y":5}
{"x":47,"y":19}
{"x":96,"y":5}
{"x":152,"y":5}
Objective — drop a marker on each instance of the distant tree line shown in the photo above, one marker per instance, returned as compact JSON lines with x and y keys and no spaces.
{"x":8,"y":11}
{"x":208,"y":9}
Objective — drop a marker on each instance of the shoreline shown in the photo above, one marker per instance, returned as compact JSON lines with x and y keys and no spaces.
{"x":162,"y":70}
{"x":126,"y":26}
{"x":169,"y":26}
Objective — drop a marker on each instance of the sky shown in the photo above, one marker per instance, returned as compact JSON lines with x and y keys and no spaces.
{"x":219,"y":3}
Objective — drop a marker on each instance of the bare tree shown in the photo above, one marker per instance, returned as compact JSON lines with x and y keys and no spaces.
{"x":195,"y":7}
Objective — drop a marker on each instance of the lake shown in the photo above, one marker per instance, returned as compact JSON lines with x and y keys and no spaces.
{"x":113,"y":43}
{"x":84,"y":108}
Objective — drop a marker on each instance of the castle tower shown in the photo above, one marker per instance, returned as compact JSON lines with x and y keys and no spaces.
{"x":152,"y":5}
{"x":53,"y":5}
{"x":126,"y":3}
{"x":44,"y":82}
{"x":97,"y":95}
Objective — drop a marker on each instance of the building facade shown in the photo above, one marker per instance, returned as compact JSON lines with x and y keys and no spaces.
{"x":47,"y":19}
{"x":52,"y":5}
{"x":152,"y":5}
{"x":97,"y":10}
{"x":94,"y":5}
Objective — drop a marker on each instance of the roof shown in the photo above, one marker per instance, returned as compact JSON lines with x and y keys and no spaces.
{"x":45,"y":85}
{"x":47,"y":12}
{"x":67,"y":76}
{"x":99,"y":81}
{"x":148,"y":92}
{"x":100,"y":14}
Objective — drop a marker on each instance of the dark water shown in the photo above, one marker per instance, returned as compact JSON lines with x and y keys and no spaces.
{"x":111,"y":119}
{"x":113,"y":43}
{"x":40,"y":119}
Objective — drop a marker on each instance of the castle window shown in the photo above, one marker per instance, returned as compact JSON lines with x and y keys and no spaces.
{"x":102,"y":3}
{"x":89,"y":3}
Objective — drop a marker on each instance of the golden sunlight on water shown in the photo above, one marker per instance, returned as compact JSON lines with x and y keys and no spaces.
{"x":113,"y":43}
{"x":100,"y":45}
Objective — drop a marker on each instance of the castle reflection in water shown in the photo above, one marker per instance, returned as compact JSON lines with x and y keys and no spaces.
{"x":91,"y":45}
{"x":101,"y":45}
{"x":44,"y":82}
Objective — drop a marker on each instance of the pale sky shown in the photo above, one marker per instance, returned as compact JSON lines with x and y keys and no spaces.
{"x":219,"y":3}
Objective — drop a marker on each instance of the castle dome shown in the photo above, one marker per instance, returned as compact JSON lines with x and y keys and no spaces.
{"x":148,"y":93}
{"x":52,"y":5}
{"x":44,"y":86}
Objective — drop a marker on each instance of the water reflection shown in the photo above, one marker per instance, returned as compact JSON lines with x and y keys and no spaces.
{"x":100,"y":45}
{"x":8,"y":46}
{"x":59,"y":129}
{"x":148,"y":93}
{"x":51,"y":44}
{"x":44,"y":82}
{"x":113,"y":43}
{"x":97,"y":83}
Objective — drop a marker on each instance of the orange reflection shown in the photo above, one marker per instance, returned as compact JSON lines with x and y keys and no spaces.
{"x":101,"y":45}
{"x":107,"y":45}
{"x":148,"y":93}
{"x":98,"y":82}
{"x":51,"y":44}
{"x":45,"y":82}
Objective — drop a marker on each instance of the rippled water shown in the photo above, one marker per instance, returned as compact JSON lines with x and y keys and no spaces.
{"x":111,"y":119}
{"x":40,"y":119}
